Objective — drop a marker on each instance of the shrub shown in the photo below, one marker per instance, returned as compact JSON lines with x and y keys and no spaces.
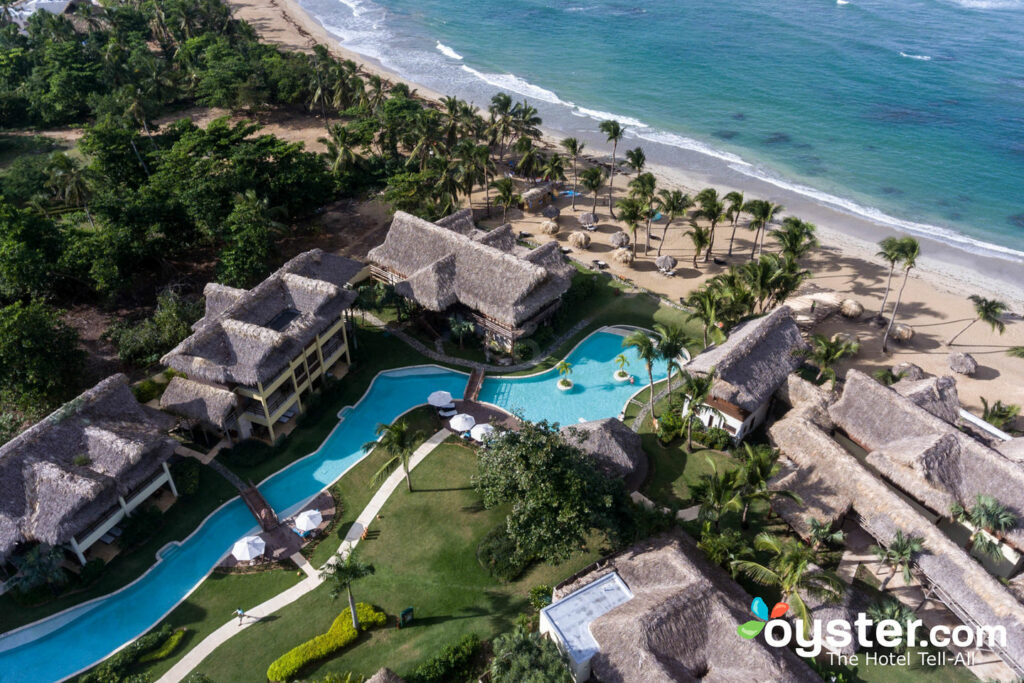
{"x":716,"y":438}
{"x":540,"y":596}
{"x":456,"y":662}
{"x":114,"y":669}
{"x":523,"y":351}
{"x":140,"y":526}
{"x":186,"y":476}
{"x":497,"y":554}
{"x":196,"y":677}
{"x":247,"y":453}
{"x":166,"y":649}
{"x":544,"y":335}
{"x":142,"y":343}
{"x":80,"y":460}
{"x":147,"y":390}
{"x":338,"y":636}
{"x":670,"y":426}
{"x":91,"y":571}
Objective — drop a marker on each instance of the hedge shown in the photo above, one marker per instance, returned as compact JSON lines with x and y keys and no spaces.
{"x":338,"y":636}
{"x":115,"y":668}
{"x":456,"y":662}
{"x":165,"y":650}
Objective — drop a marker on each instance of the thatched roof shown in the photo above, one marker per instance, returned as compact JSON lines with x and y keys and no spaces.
{"x":619,"y":239}
{"x":443,"y":266}
{"x":385,"y":675}
{"x":665,"y":261}
{"x":937,"y":395}
{"x":1013,"y":449}
{"x":896,"y":429}
{"x":202,"y":402}
{"x":588,"y":219}
{"x":754,"y":361}
{"x":252,"y":337}
{"x":119,"y":443}
{"x":551,"y":211}
{"x":807,"y":397}
{"x":461,"y":222}
{"x":821,"y":499}
{"x":681,"y":623}
{"x":615,"y":448}
{"x":883,"y":511}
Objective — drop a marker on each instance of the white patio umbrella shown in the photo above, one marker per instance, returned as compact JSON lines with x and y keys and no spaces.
{"x":248,"y":548}
{"x":439,"y":398}
{"x":307,"y":520}
{"x":462,"y":422}
{"x":481,"y":432}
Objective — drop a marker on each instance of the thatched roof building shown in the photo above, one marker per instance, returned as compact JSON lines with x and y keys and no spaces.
{"x":963,"y":584}
{"x":65,"y":472}
{"x":199,"y":402}
{"x":937,"y":395}
{"x":248,"y":337}
{"x":926,"y":456}
{"x":679,"y":624}
{"x":438,"y":266}
{"x":615,"y":448}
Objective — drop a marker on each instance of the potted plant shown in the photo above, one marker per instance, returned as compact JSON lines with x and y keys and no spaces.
{"x":621,"y":375}
{"x":564,"y":370}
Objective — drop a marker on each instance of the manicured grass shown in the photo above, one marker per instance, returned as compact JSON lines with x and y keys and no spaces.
{"x":672,"y":469}
{"x":180,"y":520}
{"x":424,"y":552}
{"x":213,"y":603}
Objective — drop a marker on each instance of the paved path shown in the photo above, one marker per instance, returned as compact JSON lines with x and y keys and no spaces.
{"x":253,"y":616}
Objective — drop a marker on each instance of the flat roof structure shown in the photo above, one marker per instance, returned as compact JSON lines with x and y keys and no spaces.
{"x":571,"y":616}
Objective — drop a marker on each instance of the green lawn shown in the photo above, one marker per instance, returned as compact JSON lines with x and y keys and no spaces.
{"x":424,"y":552}
{"x":180,"y":520}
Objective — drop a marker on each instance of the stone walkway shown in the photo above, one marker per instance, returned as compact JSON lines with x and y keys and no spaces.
{"x":253,"y":616}
{"x":472,"y":364}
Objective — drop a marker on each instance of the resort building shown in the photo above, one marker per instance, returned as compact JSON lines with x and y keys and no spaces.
{"x":659,"y":612}
{"x":256,"y":353}
{"x":749,"y":367}
{"x":616,"y":449}
{"x":834,"y":484}
{"x":75,"y":475}
{"x":451,"y":267}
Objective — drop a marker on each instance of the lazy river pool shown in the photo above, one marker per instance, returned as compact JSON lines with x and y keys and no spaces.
{"x":73,"y":640}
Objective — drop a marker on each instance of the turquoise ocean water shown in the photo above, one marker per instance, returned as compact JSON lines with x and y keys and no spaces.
{"x":909,"y":114}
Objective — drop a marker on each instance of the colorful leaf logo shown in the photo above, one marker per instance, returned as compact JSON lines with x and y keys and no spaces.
{"x":751,"y":628}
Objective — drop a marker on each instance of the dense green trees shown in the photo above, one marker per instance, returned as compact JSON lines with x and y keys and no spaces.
{"x":39,"y":357}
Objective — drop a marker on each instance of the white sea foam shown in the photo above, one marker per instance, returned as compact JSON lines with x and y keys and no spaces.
{"x":923,"y":58}
{"x":934,"y":232}
{"x":599,"y":115}
{"x":842,"y":2}
{"x":990,"y":4}
{"x":518,"y":85}
{"x":447,"y":51}
{"x":682,"y":142}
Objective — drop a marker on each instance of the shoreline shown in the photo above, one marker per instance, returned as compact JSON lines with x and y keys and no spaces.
{"x":945,"y":266}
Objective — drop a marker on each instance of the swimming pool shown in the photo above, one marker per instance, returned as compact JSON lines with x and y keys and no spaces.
{"x":73,"y":640}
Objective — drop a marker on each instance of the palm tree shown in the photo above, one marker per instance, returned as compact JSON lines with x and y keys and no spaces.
{"x":704,"y":303}
{"x":1015,"y":352}
{"x":760,"y":464}
{"x":642,"y":188}
{"x":696,"y":388}
{"x":531,"y":160}
{"x":398,"y":442}
{"x":891,"y":253}
{"x":573,"y":148}
{"x":999,"y":413}
{"x":825,"y":353}
{"x":762,"y":212}
{"x":717,"y":493}
{"x":986,"y":515}
{"x":564,"y":370}
{"x":505,"y":195}
{"x":712,"y":211}
{"x":647,"y":352}
{"x":631,"y":213}
{"x":621,"y":362}
{"x":481,"y":158}
{"x":823,"y":534}
{"x":460,"y":327}
{"x":899,"y":555}
{"x":341,"y":574}
{"x":672,"y":341}
{"x":725,"y":548}
{"x":340,"y":154}
{"x":988,"y":311}
{"x":70,"y":182}
{"x":891,"y":609}
{"x":636,"y":159}
{"x":887,"y":377}
{"x":796,"y":237}
{"x":672,"y":204}
{"x":614,"y":132}
{"x":593,"y":179}
{"x":735,"y":200}
{"x":910,"y":249}
{"x":553,"y":168}
{"x":790,"y":570}
{"x":701,"y":238}
{"x":40,"y":565}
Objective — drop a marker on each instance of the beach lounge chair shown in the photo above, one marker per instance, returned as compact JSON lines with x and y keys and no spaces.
{"x":447,"y":413}
{"x":601,"y":264}
{"x":301,"y":534}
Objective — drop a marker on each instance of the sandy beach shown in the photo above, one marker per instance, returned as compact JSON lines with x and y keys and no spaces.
{"x":935,"y":302}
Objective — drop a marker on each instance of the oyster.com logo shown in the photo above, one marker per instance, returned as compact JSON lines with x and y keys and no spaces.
{"x":753,"y":627}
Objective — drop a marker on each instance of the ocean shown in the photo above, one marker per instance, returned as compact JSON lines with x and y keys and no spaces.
{"x":907,"y":114}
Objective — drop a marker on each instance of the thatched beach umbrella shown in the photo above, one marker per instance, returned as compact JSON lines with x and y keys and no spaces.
{"x":619,"y":240}
{"x":549,"y":228}
{"x":665,"y":262}
{"x":588,"y":220}
{"x":580,"y":240}
{"x":551,"y":211}
{"x":623,"y":256}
